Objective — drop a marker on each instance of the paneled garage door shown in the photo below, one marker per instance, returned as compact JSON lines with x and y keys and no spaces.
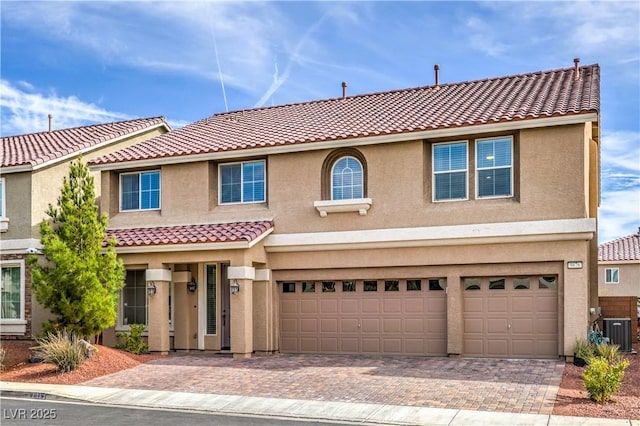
{"x":369,"y":316}
{"x":511,"y":317}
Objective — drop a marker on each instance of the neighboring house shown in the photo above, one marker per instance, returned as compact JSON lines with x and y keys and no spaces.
{"x":619,"y":267}
{"x":619,"y":279}
{"x":453,"y":219}
{"x":32,"y":170}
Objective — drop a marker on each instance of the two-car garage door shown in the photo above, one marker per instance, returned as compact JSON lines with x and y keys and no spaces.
{"x":364,"y":316}
{"x":514,"y":317}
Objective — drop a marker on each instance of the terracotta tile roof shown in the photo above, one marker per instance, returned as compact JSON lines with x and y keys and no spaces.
{"x":38,"y":148}
{"x":625,"y":248}
{"x":519,"y":97}
{"x":190,"y":234}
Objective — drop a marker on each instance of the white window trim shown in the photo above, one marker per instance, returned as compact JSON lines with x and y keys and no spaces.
{"x":611,"y":269}
{"x":264,"y":187}
{"x":139,"y":173}
{"x":16,"y":325}
{"x":493,"y":168}
{"x":4,"y":220}
{"x":333,"y":167}
{"x":433,"y":173}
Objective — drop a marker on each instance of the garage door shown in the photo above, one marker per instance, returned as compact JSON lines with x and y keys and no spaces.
{"x":367,"y":316}
{"x":511,"y":317}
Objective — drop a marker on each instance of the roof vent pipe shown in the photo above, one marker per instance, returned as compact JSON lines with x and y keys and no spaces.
{"x":436,"y":68}
{"x":344,"y":90}
{"x":50,"y":122}
{"x":576,"y":70}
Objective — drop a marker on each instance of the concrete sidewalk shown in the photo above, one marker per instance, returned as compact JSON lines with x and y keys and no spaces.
{"x":364,"y":413}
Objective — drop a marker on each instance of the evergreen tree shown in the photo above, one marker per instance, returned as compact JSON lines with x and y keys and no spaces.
{"x":79,"y":283}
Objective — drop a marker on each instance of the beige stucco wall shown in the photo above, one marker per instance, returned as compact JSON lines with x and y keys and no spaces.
{"x":629,"y":278}
{"x":551,"y":167}
{"x":18,"y":188}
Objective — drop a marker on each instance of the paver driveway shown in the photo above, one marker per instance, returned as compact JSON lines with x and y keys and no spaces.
{"x":521,"y":386}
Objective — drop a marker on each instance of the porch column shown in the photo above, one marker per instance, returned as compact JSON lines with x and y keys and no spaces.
{"x":263,"y":312}
{"x":158,"y":314}
{"x":242,"y":311}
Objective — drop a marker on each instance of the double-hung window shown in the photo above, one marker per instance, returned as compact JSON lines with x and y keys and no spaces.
{"x":346,"y":179}
{"x":450,"y":163}
{"x":612,"y":275}
{"x":12,"y":296}
{"x":140,"y":191}
{"x":4,"y":222}
{"x":243,"y":182}
{"x":494,"y":167}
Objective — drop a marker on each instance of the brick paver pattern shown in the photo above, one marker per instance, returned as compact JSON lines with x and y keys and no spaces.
{"x":519,"y":386}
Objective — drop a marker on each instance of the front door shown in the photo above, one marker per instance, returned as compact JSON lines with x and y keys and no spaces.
{"x":226,"y":308}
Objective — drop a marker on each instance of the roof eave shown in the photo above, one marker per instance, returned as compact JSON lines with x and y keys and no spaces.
{"x":529,"y":123}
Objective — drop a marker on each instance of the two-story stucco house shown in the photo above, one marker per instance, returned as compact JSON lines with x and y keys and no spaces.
{"x":451,"y":219}
{"x":32,"y":168}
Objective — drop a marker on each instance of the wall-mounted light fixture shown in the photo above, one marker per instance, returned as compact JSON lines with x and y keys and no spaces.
{"x":151,"y":288}
{"x":234,"y":287}
{"x":192,"y":285}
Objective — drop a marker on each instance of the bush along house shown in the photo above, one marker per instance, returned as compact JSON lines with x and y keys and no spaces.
{"x":450,"y":219}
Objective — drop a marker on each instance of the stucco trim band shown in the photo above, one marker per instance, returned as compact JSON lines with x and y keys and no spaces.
{"x":158,"y":275}
{"x":488,"y":233}
{"x":241,"y":273}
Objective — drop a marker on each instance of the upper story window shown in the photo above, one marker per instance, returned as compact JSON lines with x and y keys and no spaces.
{"x":4,"y":222}
{"x":612,"y":275}
{"x":243,"y":182}
{"x":140,"y":191}
{"x":346,"y":179}
{"x":2,"y":198}
{"x":450,"y":162}
{"x":494,"y":167}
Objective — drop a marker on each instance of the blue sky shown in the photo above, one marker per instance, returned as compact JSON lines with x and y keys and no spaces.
{"x":90,"y":62}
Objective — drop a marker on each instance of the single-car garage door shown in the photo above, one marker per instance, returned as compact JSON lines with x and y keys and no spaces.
{"x":511,"y":317}
{"x":364,"y":316}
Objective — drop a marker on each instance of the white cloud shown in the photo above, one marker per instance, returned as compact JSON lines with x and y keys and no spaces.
{"x":24,"y":112}
{"x":621,"y":160}
{"x":619,"y":214}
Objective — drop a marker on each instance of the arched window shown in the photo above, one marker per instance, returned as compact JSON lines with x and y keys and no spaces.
{"x":344,"y":175}
{"x":346,"y":179}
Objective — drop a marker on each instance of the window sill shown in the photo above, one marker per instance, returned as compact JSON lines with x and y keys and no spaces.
{"x":14,"y":327}
{"x":4,"y":224}
{"x":360,"y":205}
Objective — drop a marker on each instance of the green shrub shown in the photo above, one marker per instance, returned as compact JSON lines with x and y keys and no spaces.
{"x":133,"y":341}
{"x":3,"y":355}
{"x":583,"y":349}
{"x":63,"y":349}
{"x":609,"y":352}
{"x":603,"y":378}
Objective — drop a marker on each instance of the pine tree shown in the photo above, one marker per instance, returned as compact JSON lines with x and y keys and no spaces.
{"x":80,"y":281}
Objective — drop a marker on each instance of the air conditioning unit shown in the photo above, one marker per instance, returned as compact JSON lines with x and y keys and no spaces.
{"x":618,"y":330}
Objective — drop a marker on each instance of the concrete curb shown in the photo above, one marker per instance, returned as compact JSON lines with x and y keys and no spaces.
{"x":292,"y":408}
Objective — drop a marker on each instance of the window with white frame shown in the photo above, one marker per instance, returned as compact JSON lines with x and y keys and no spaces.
{"x":12,"y":292}
{"x":612,"y":275}
{"x":450,"y":171}
{"x":494,"y":167}
{"x":2,"y":198}
{"x":4,"y":221}
{"x":140,"y":191}
{"x":242,"y":182}
{"x":346,"y":179}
